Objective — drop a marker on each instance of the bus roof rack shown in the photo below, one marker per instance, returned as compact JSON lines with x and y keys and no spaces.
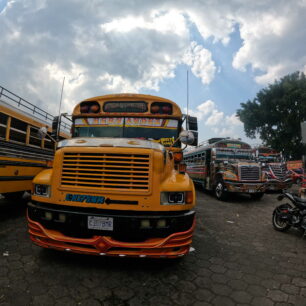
{"x":213,"y":140}
{"x":25,"y":106}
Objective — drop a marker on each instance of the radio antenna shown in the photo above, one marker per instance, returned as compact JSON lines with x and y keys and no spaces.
{"x":60,"y":105}
{"x":59,"y":110}
{"x":187,"y":125}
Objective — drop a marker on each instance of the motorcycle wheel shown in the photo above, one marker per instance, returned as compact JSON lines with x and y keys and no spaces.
{"x":279,"y":224}
{"x":220,"y":193}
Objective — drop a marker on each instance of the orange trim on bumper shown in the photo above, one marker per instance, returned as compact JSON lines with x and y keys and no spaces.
{"x":174,"y":245}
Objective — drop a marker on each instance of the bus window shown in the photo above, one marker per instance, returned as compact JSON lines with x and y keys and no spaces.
{"x":18,"y":130}
{"x":48,"y":143}
{"x":3,"y":123}
{"x":34,"y":139}
{"x":21,"y":150}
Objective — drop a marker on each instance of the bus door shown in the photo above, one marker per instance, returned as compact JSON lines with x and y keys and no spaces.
{"x":208,"y":168}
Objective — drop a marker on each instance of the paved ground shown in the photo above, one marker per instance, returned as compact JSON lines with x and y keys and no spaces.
{"x":239,"y":259}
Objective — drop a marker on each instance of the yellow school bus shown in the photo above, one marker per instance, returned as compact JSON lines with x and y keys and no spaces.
{"x":118,"y":187}
{"x":23,"y":154}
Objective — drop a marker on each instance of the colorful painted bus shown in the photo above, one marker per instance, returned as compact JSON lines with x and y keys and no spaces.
{"x":23,"y":154}
{"x":226,"y":166}
{"x":119,"y":186}
{"x":274,"y":167}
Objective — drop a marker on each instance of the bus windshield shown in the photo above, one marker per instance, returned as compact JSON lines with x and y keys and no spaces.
{"x":233,"y":154}
{"x":164,"y":131}
{"x":271,"y":158}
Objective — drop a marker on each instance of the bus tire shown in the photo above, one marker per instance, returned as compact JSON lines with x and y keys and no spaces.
{"x":257,"y":196}
{"x":220,"y":192}
{"x":13,"y":196}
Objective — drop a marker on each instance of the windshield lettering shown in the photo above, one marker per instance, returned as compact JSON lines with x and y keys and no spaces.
{"x":163,"y":131}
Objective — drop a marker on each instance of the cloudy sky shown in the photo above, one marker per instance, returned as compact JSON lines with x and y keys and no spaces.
{"x":231,"y":49}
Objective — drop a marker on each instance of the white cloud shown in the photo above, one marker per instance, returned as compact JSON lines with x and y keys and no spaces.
{"x":108,"y":52}
{"x":170,"y":22}
{"x":233,"y":120}
{"x":206,"y":107}
{"x":214,"y":123}
{"x":215,"y":118}
{"x":106,"y":46}
{"x":200,"y":60}
{"x":272,"y":41}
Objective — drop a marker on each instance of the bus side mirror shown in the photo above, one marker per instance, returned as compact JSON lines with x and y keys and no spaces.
{"x":192,"y":123}
{"x":42,"y":132}
{"x":55,"y":125}
{"x":195,"y":142}
{"x":192,"y":126}
{"x":187,"y":138}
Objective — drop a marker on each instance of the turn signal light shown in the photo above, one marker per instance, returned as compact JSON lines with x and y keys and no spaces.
{"x":161,"y":108}
{"x":189,"y":197}
{"x":182,"y":168}
{"x":178,"y":156}
{"x":92,"y":107}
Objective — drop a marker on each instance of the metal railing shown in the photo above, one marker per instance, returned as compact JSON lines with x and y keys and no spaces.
{"x":24,"y":105}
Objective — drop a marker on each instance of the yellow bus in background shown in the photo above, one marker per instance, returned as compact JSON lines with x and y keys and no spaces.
{"x":23,"y":154}
{"x":118,"y":187}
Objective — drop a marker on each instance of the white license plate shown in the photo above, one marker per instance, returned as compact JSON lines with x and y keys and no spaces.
{"x":252,"y":190}
{"x":100,"y":223}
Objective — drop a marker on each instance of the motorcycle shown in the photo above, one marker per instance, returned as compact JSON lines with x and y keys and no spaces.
{"x":287,"y":215}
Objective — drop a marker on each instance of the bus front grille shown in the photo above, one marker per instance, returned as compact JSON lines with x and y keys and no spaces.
{"x":106,"y":171}
{"x":279,"y":171}
{"x":249,"y":173}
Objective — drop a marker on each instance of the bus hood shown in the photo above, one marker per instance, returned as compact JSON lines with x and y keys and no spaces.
{"x":110,"y":142}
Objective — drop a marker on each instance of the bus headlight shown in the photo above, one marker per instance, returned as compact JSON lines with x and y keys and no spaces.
{"x":172,"y":198}
{"x":42,"y":190}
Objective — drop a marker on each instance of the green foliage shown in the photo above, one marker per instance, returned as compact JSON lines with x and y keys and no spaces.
{"x":276,"y":113}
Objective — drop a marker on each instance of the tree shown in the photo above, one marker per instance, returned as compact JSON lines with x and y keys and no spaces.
{"x":276,"y":114}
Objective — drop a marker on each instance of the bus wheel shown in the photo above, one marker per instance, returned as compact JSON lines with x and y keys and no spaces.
{"x":256,"y":196}
{"x":12,"y":196}
{"x":220,"y":193}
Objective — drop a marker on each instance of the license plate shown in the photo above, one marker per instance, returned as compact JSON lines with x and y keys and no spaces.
{"x":252,"y":190}
{"x":100,"y":223}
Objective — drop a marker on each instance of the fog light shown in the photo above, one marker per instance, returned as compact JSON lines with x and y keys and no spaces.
{"x":145,"y":224}
{"x":62,"y":218}
{"x":161,"y":223}
{"x":48,"y":215}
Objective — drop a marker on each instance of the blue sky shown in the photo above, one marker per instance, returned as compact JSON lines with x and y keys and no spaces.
{"x":229,"y":88}
{"x":2,"y":4}
{"x":231,"y":49}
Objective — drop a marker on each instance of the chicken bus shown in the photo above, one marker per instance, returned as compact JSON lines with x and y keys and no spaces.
{"x":118,"y":187}
{"x":225,"y":166}
{"x":274,"y":167}
{"x":23,"y":154}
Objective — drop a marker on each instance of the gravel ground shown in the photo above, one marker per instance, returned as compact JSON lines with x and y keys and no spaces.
{"x":239,"y":259}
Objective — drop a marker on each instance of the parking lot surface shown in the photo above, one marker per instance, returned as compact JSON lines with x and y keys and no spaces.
{"x":239,"y":259}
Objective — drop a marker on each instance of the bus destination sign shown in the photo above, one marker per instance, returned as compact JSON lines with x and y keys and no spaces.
{"x":125,"y":107}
